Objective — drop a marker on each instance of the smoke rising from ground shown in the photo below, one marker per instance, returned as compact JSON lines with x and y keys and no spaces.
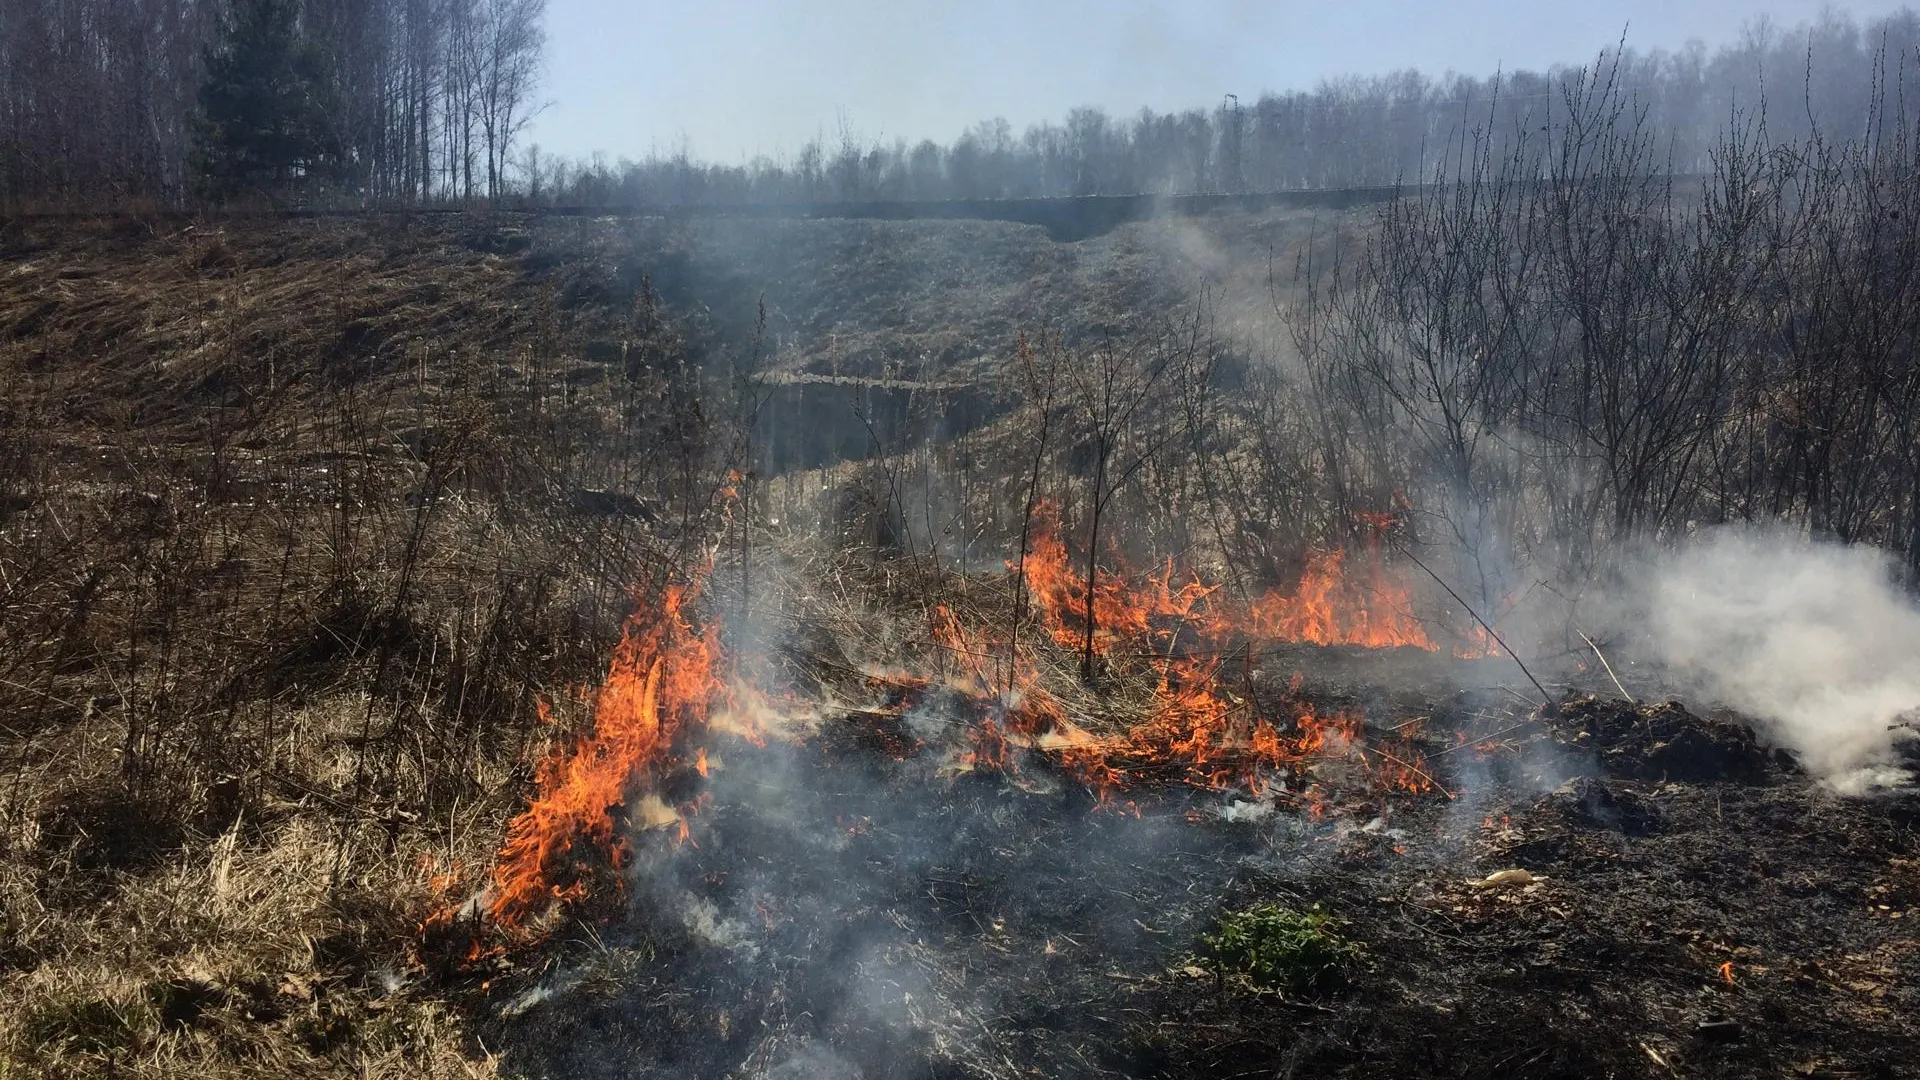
{"x":1813,"y":639}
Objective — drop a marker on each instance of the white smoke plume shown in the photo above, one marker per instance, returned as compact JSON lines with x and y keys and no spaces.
{"x":1815,"y":640}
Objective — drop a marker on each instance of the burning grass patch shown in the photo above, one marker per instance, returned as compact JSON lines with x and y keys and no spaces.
{"x":887,"y":890}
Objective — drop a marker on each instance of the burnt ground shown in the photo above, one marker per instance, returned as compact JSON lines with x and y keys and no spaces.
{"x":841,"y":913}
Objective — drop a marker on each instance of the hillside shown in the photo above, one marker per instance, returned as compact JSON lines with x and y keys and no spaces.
{"x":300,"y":521}
{"x":422,"y":653}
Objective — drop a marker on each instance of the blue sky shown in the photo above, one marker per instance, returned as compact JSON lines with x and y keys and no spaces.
{"x":736,"y":78}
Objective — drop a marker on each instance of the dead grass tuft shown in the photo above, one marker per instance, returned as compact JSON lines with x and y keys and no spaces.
{"x":291,"y":543}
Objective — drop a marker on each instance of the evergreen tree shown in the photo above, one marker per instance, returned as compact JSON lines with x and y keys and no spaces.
{"x":262,"y":124}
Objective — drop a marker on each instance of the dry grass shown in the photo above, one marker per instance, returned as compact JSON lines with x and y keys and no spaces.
{"x":296,"y":525}
{"x":226,"y":959}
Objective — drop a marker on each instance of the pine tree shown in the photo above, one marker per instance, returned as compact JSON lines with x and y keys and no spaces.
{"x":262,"y":109}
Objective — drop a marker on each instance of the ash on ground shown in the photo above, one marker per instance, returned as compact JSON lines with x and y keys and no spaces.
{"x":1692,"y":905}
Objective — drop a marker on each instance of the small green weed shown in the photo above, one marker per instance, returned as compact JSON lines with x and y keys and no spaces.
{"x":1276,"y":947}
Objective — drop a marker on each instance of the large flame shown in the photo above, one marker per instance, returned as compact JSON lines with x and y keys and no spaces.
{"x":1334,"y":607}
{"x":1121,"y":609}
{"x":660,"y":682}
{"x":663,"y":698}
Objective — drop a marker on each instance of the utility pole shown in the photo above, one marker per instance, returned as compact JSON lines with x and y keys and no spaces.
{"x":1231,"y":128}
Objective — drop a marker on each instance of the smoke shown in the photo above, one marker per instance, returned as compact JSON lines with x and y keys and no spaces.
{"x":1813,"y":639}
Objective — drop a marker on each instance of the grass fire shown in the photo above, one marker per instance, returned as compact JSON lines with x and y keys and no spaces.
{"x":1411,"y":577}
{"x":651,"y":716}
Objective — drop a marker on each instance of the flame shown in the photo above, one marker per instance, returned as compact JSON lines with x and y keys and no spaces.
{"x":967,"y":655}
{"x":1479,"y":645}
{"x":663,"y":691}
{"x":447,"y":930}
{"x":1199,"y":735}
{"x":1195,"y":732}
{"x":1726,"y":972}
{"x":1331,"y":605}
{"x":1120,"y":610}
{"x":659,"y":683}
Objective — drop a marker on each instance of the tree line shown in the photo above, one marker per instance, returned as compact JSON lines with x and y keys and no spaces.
{"x":358,"y":101}
{"x":1347,"y":132}
{"x":1569,"y":350}
{"x":105,"y":101}
{"x":127,"y":102}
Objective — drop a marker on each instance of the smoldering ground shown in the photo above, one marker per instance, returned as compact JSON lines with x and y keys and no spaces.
{"x":908,"y":917}
{"x":852,"y":902}
{"x":854,"y":899}
{"x":1817,"y":641}
{"x":840,"y":911}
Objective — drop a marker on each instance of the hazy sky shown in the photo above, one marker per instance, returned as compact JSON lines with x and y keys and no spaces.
{"x":736,"y":78}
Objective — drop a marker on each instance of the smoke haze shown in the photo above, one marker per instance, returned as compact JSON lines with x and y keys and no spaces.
{"x":1815,"y":640}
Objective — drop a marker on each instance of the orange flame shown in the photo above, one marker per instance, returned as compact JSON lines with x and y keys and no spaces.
{"x":1331,"y":605}
{"x":1120,"y":610}
{"x":1198,"y":735}
{"x":659,"y":682}
{"x":1726,"y":972}
{"x":1196,"y":732}
{"x":1479,"y":645}
{"x":662,"y":686}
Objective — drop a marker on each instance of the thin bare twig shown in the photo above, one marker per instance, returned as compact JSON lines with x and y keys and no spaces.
{"x":1478,"y":741}
{"x":1546,"y":699}
{"x":1631,"y":700}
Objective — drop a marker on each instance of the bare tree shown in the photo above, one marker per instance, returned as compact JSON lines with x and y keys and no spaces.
{"x":1123,"y":418}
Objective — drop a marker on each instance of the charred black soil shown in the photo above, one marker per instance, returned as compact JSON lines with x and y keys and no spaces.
{"x":1691,"y":901}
